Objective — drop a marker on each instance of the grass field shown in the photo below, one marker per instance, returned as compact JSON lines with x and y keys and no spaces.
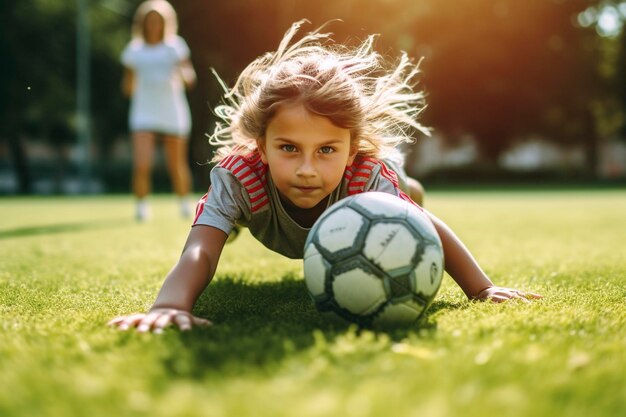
{"x":68,"y":265}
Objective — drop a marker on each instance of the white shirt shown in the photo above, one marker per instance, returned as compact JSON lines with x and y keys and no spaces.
{"x":159,"y":103}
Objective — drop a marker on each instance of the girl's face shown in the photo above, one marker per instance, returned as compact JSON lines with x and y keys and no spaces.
{"x":306,"y":154}
{"x":153,"y":27}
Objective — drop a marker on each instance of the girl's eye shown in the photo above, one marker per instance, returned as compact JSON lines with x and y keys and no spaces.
{"x":288,"y":148}
{"x":326,"y":149}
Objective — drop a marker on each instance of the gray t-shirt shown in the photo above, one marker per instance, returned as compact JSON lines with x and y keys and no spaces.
{"x":242,"y":193}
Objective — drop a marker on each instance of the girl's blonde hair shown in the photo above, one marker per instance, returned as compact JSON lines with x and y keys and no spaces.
{"x":163,"y":8}
{"x":354,"y":87}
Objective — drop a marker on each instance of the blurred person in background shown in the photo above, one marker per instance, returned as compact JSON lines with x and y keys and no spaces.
{"x":157,"y":72}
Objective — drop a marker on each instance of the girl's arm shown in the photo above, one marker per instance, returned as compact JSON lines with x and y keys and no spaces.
{"x":464,"y":269}
{"x":183,"y":285}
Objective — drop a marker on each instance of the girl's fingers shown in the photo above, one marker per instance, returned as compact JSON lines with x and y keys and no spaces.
{"x":522,"y":298}
{"x":532,"y":296}
{"x":197,"y":321}
{"x":162,"y":322}
{"x":505,"y":294}
{"x":158,"y":320}
{"x":186,"y":321}
{"x":115,"y":321}
{"x":497,"y":298}
{"x":183,"y":321}
{"x":146,"y":323}
{"x":119,"y":319}
{"x":124,"y":322}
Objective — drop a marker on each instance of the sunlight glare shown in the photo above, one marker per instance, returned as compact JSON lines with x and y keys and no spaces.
{"x":587,"y":18}
{"x":609,"y":22}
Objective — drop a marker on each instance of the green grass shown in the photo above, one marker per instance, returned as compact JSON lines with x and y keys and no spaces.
{"x":67,"y":265}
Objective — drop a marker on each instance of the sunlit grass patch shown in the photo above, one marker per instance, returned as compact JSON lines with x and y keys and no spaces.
{"x":69,"y":265}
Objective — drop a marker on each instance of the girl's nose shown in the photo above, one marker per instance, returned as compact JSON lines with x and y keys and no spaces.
{"x":306,"y":168}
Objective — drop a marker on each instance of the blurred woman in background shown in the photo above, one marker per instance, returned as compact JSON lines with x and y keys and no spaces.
{"x":157,"y":71}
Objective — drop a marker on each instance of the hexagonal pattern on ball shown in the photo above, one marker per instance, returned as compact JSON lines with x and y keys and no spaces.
{"x":315,"y":271}
{"x":420,"y":221}
{"x":390,"y":245}
{"x":379,"y":204}
{"x":399,"y":285}
{"x":358,"y":291}
{"x":403,"y":313}
{"x":339,"y":230}
{"x":429,"y":273}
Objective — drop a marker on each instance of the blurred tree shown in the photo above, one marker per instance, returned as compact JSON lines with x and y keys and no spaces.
{"x":38,"y":87}
{"x":608,"y":18}
{"x":110,"y":22}
{"x":38,"y":99}
{"x":505,"y":69}
{"x":10,"y":95}
{"x":497,"y":69}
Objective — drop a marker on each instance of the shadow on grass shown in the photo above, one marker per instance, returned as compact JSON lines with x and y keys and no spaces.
{"x":258,"y":325}
{"x":52,"y":229}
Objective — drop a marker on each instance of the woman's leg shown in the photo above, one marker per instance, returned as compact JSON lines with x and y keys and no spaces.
{"x":178,"y":167}
{"x":143,"y":150}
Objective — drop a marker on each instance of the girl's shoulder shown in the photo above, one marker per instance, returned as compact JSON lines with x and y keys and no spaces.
{"x":249,"y":172}
{"x":363,"y":166}
{"x":366,"y":171}
{"x":244,"y":166}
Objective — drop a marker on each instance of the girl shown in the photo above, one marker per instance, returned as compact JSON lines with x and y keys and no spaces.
{"x":156,"y":72}
{"x":302,"y":128}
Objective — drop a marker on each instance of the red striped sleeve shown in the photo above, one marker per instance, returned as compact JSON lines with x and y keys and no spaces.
{"x":241,"y":171}
{"x":359,"y":173}
{"x":226,"y":163}
{"x":200,"y":206}
{"x":258,"y":206}
{"x":251,"y":173}
{"x":391,"y":175}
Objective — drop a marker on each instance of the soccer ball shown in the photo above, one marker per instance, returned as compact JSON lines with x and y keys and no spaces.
{"x":373,"y":258}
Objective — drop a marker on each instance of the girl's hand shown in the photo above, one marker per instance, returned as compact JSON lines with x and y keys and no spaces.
{"x":158,"y":319}
{"x":501,"y":294}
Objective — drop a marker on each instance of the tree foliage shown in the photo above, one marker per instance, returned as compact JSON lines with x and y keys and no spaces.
{"x":497,"y":69}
